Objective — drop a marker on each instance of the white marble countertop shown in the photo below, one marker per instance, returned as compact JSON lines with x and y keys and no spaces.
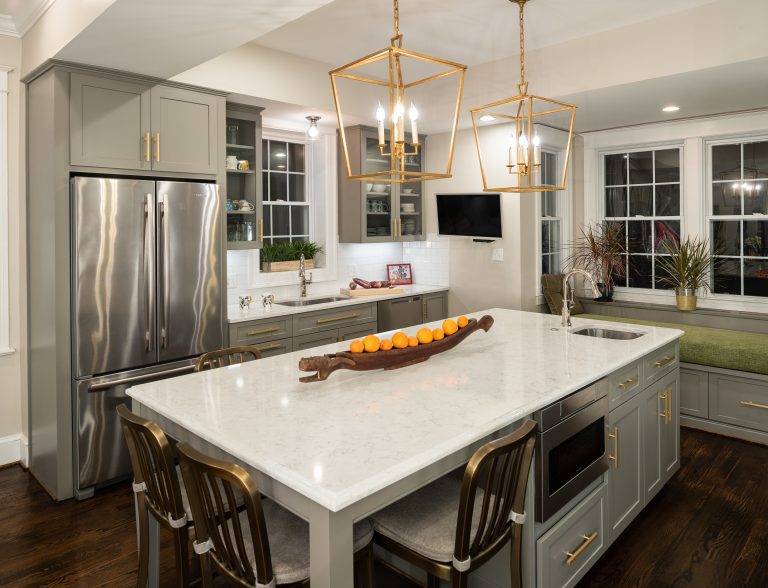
{"x":343,"y":439}
{"x":256,"y":311}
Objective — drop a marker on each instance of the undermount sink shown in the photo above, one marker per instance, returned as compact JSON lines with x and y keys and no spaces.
{"x":607,"y":333}
{"x":311,"y":301}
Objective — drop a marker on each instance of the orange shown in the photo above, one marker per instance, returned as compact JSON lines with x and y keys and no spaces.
{"x":413,"y":342}
{"x":356,"y":346}
{"x":371,"y":343}
{"x":450,"y":327}
{"x":437,"y":334}
{"x":463,"y":321}
{"x":400,"y":340}
{"x":386,"y":345}
{"x":424,"y":336}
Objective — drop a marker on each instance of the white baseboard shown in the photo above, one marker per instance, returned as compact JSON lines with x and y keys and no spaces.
{"x":12,"y":449}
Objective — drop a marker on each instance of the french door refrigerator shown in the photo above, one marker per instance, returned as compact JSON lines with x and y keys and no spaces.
{"x":146,"y":300}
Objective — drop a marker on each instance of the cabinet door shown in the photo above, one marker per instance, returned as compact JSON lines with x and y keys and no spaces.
{"x":625,"y":487}
{"x":109,"y":123}
{"x":356,"y":332}
{"x":379,"y":210}
{"x":670,"y":426}
{"x":651,"y":406}
{"x":435,"y":307}
{"x":409,"y":203}
{"x":315,"y":339}
{"x":272,"y":348}
{"x":184,"y":137}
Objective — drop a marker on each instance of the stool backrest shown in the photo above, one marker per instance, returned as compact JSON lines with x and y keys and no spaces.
{"x":153,"y":465}
{"x":224,"y":357}
{"x":500,"y":469}
{"x":212,"y":485}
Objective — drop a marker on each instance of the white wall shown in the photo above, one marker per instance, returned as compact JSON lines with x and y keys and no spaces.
{"x":13,"y":367}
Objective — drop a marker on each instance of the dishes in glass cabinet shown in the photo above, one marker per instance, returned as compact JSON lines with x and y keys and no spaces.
{"x":379,"y":188}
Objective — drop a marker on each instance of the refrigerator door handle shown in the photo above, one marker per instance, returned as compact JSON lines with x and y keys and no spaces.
{"x":149,"y":270}
{"x":133,"y":380}
{"x":164,"y":274}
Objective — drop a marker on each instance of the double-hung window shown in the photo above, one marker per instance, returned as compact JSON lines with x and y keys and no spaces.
{"x":551,"y":216}
{"x":642,"y":195}
{"x":739,"y":217}
{"x":285,"y":203}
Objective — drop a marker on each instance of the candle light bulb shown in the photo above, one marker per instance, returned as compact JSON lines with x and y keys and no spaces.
{"x":413,"y":113}
{"x":399,"y":117}
{"x":523,"y":141}
{"x":536,"y":150}
{"x":399,"y":111}
{"x":380,"y":113}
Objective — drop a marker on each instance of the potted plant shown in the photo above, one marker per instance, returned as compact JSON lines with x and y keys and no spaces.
{"x":600,"y":250}
{"x":687,"y":269}
{"x":284,"y":256}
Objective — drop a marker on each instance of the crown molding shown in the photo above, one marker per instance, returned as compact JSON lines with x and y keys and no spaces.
{"x":18,"y":26}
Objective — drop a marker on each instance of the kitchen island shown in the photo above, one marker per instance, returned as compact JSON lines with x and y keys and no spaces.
{"x":335,"y":451}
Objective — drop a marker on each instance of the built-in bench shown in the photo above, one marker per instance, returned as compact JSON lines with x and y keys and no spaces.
{"x":723,"y":378}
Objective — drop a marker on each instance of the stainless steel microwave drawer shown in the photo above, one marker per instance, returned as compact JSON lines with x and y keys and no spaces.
{"x":334,"y":318}
{"x":260,"y":330}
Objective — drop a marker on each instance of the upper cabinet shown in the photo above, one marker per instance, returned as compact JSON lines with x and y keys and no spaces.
{"x":375,"y":212}
{"x":126,"y":125}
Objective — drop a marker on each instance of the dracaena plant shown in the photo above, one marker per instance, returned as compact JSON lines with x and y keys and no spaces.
{"x":601,"y":251}
{"x":687,"y":265}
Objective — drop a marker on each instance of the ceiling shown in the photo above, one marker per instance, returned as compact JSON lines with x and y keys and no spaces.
{"x":469,"y":32}
{"x":17,"y":16}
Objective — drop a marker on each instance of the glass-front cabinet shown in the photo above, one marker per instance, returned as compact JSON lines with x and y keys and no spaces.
{"x":245,"y":228}
{"x":373,"y":211}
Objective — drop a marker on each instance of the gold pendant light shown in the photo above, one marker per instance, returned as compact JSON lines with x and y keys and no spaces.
{"x":510,"y":151}
{"x":400,"y":81}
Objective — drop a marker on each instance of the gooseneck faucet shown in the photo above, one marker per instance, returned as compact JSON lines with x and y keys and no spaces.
{"x":568,"y":300}
{"x":303,"y":280}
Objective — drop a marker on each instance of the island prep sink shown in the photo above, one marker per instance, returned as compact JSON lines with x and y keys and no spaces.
{"x":605,"y":333}
{"x":311,"y":301}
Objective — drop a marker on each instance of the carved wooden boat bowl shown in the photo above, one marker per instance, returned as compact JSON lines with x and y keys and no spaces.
{"x":393,"y":359}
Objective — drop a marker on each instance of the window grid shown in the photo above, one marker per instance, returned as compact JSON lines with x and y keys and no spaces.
{"x":644,"y":234}
{"x":549,"y":202}
{"x":271,"y":207}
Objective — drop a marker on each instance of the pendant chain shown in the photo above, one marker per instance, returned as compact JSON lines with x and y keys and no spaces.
{"x":522,"y":42}
{"x":397,"y":18}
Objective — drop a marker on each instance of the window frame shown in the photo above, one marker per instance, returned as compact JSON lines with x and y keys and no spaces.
{"x":5,"y":326}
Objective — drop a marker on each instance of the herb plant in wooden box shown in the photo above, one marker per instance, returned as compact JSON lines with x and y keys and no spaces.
{"x":284,"y":256}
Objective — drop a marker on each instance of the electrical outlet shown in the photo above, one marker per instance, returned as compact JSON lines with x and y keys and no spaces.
{"x":497,"y":254}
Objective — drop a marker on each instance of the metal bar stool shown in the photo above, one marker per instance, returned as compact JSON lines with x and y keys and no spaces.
{"x":450,"y":527}
{"x":224,"y":357}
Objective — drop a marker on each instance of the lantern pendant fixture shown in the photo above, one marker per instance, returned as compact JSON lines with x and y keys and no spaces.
{"x":521,"y":117}
{"x":398,"y":146}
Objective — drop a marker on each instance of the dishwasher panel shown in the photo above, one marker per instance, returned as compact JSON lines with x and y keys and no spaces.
{"x":400,"y":313}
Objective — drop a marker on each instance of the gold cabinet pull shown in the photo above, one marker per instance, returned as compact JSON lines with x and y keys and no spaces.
{"x":754,"y":404}
{"x":587,"y":542}
{"x":260,"y":234}
{"x":666,"y":396}
{"x":262,"y":331}
{"x":424,"y":311}
{"x":664,"y":362}
{"x":628,"y":383}
{"x":615,"y":456}
{"x":269,"y":347}
{"x":341,"y":317}
{"x":147,"y":147}
{"x":157,"y":146}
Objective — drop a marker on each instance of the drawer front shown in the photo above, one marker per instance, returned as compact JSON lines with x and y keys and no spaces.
{"x":738,"y":401}
{"x":272,"y":348}
{"x":570,"y":548}
{"x":694,"y":393}
{"x":336,"y":318}
{"x":356,"y":332}
{"x":261,"y":330}
{"x":660,"y":362}
{"x":315,"y":340}
{"x":624,"y":383}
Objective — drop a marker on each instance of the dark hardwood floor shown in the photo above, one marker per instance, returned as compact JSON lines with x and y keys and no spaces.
{"x":707,"y":529}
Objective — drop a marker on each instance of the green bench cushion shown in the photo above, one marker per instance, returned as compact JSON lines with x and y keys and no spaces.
{"x":723,"y":348}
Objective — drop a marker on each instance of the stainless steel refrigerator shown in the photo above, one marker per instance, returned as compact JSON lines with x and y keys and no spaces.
{"x":146,"y":300}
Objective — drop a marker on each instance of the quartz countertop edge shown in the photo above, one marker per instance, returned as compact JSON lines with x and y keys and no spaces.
{"x":478,"y":398}
{"x":256,"y":311}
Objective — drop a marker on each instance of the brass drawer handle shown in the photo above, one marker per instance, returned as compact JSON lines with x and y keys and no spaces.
{"x":270,"y":347}
{"x":754,"y":404}
{"x":628,"y":383}
{"x":587,"y":542}
{"x":665,"y":362}
{"x":260,"y":235}
{"x":341,"y":317}
{"x":157,"y":146}
{"x":615,"y":456}
{"x":262,"y":331}
{"x":666,"y":396}
{"x":147,"y":147}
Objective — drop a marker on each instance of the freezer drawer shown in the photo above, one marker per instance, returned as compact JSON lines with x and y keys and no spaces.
{"x":100,"y":452}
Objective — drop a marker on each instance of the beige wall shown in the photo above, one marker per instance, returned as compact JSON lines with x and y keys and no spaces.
{"x":13,"y":399}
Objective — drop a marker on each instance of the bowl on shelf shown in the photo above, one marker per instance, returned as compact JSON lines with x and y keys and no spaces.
{"x":368,"y":187}
{"x":407,"y":190}
{"x":379,"y":188}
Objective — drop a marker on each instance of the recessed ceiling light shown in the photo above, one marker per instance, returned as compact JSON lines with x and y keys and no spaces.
{"x":670,"y":108}
{"x":487,"y":118}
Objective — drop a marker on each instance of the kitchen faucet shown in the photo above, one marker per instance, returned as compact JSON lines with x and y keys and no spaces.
{"x":303,"y":281}
{"x":568,"y":300}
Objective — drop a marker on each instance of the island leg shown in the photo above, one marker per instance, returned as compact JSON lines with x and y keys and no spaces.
{"x":331,"y":558}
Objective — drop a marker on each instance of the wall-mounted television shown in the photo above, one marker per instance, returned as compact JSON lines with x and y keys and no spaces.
{"x":469,"y":215}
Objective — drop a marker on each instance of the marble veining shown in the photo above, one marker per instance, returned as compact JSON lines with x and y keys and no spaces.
{"x":256,"y":311}
{"x":343,"y":439}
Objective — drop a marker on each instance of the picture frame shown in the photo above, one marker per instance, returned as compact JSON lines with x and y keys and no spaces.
{"x":399,"y":274}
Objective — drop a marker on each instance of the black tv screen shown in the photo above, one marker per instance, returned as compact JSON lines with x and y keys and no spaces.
{"x":469,"y":215}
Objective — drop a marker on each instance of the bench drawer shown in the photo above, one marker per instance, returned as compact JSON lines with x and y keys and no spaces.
{"x":660,"y":362}
{"x":624,"y":383}
{"x":579,"y":538}
{"x":694,"y":393}
{"x":738,"y":401}
{"x":261,"y":330}
{"x":335,"y":318}
{"x":272,"y":348}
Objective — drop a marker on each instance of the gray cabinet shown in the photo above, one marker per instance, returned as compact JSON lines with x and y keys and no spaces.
{"x":625,"y":496}
{"x":694,"y":393}
{"x":738,"y":401}
{"x":435,"y":307}
{"x":334,"y":318}
{"x":133,"y":125}
{"x":333,"y":336}
{"x":661,"y":433}
{"x":272,"y":348}
{"x":377,"y":212}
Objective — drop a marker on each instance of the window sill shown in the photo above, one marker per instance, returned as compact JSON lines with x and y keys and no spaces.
{"x":714,"y":302}
{"x":267,"y":279}
{"x":7,"y":351}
